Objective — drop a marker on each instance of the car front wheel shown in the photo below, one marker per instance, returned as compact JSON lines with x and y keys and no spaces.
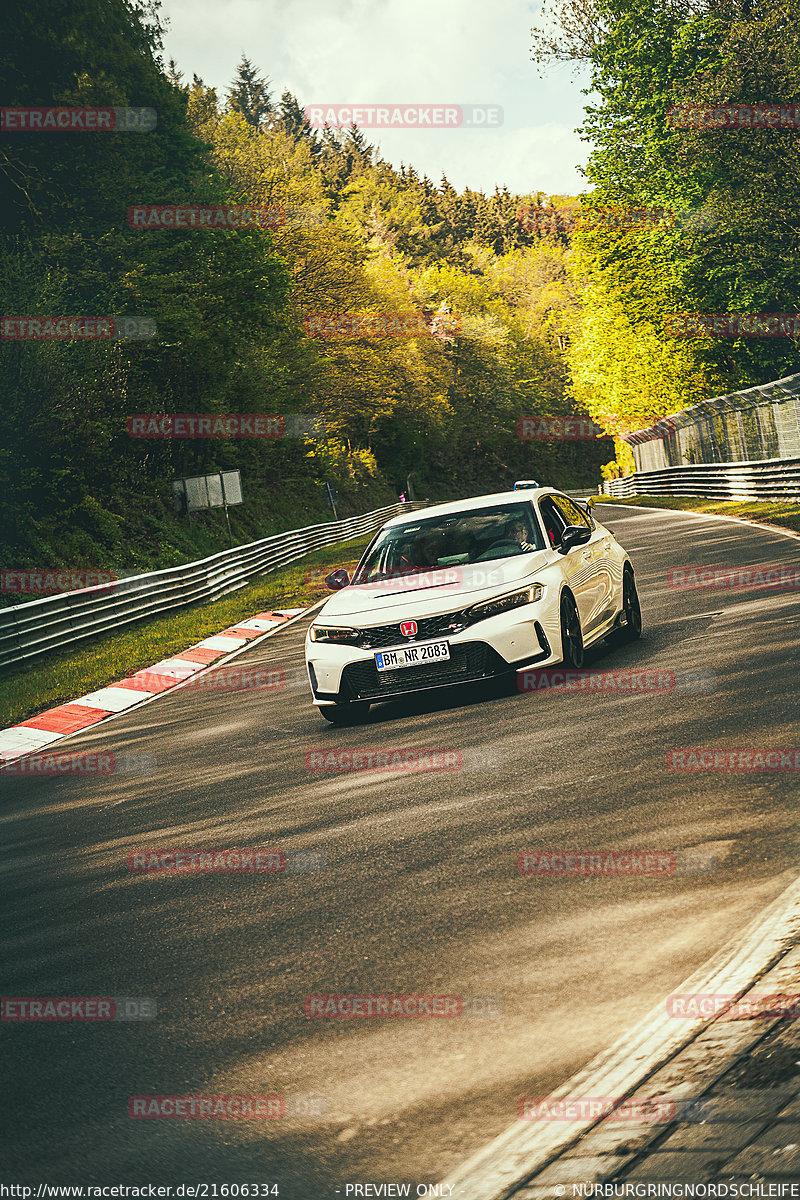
{"x":571,"y":633}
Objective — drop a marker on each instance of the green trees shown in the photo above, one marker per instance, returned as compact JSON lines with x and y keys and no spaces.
{"x":66,"y":249}
{"x":729,"y":240}
{"x":348,"y":234}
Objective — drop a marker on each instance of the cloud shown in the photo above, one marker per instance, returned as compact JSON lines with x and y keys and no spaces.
{"x":397,"y":52}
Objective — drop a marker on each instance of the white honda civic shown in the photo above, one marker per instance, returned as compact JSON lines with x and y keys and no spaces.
{"x":462,"y":592}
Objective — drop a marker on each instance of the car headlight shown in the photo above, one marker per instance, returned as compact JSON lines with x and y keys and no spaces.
{"x":501,"y":604}
{"x":332,"y":633}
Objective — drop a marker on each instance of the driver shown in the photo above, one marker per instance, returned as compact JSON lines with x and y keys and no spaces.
{"x":427,"y":549}
{"x":517,"y":531}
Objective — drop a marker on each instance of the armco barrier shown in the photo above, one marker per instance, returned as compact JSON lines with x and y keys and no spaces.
{"x":28,"y":630}
{"x":770,"y":479}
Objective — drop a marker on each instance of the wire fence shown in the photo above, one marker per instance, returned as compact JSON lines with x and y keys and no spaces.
{"x":757,"y":424}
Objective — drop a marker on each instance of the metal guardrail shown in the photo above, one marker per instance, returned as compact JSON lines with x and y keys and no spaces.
{"x":31,"y":629}
{"x":770,"y":479}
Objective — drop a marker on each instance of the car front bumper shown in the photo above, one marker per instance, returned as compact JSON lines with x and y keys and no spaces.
{"x":490,"y":648}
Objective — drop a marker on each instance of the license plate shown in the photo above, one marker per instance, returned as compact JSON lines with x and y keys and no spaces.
{"x":412,"y":656}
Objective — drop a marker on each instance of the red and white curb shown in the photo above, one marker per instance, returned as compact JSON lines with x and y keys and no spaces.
{"x":58,"y":723}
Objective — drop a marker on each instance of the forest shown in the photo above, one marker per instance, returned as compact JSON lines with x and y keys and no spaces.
{"x":413,"y":325}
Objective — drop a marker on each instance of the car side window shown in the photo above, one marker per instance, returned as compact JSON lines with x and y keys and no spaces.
{"x":571,"y":513}
{"x":553,"y":521}
{"x":585,"y":514}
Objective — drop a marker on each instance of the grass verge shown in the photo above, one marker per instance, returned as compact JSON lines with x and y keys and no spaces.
{"x":784,"y":513}
{"x":28,"y":689}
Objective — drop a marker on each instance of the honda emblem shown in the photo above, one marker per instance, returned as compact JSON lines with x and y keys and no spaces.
{"x":408,"y":628}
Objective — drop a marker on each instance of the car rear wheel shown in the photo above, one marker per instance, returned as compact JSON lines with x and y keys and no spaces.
{"x":571,"y":633}
{"x":345,"y":714}
{"x":631,"y":611}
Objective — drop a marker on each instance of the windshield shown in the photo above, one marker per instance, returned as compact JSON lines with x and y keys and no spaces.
{"x":452,"y":540}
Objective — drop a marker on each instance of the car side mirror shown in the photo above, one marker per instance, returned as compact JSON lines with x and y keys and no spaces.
{"x":574,"y":535}
{"x":337,"y":580}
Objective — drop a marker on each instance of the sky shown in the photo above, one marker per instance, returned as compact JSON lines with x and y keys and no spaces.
{"x":404,"y":52}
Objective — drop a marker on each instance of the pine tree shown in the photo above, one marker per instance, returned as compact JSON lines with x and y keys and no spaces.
{"x":292,"y":119}
{"x":249,"y":95}
{"x":358,"y":151}
{"x":202,"y":103}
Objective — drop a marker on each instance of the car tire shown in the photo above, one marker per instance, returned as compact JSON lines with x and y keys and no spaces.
{"x":631,"y":609}
{"x":345,"y":714}
{"x":571,"y":633}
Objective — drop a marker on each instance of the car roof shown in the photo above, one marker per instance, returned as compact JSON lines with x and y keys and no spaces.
{"x":493,"y":500}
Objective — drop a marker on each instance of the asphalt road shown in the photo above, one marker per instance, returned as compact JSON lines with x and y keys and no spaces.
{"x":419,"y":893}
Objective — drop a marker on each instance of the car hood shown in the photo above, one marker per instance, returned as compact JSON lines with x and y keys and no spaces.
{"x":444,"y":590}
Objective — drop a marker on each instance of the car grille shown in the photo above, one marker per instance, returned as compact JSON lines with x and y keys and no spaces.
{"x":469,"y":661}
{"x":376,"y":637}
